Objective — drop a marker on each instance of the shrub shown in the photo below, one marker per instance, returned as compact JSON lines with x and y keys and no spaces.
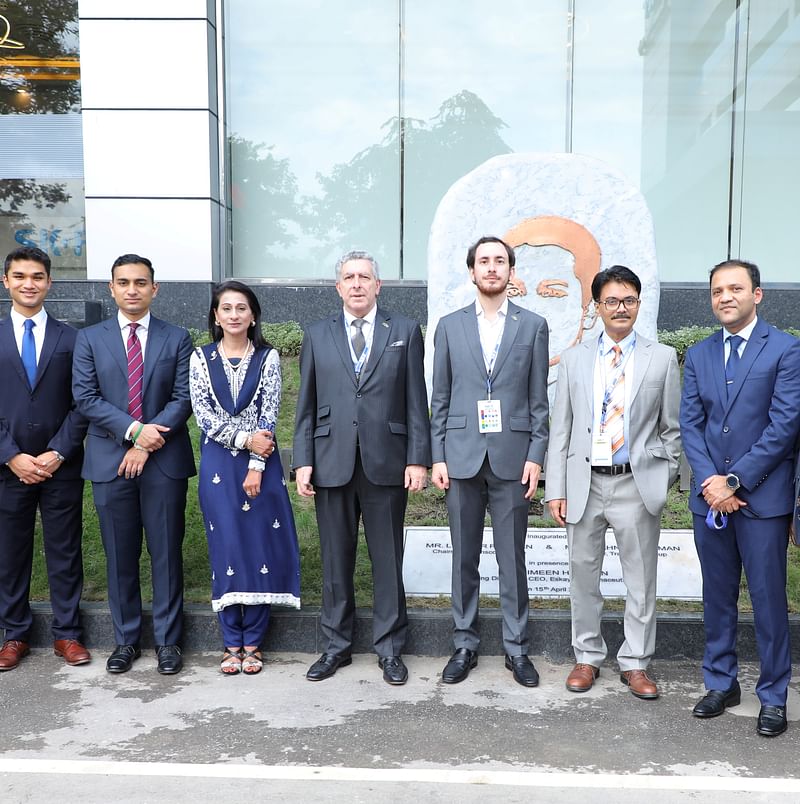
{"x":286,"y":337}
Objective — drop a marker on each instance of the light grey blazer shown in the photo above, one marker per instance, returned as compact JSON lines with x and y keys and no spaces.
{"x":519,"y":381}
{"x":653,"y":430}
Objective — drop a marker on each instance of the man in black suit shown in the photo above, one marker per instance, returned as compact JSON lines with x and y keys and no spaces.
{"x":131,"y":381}
{"x":362,"y":438}
{"x":41,"y":448}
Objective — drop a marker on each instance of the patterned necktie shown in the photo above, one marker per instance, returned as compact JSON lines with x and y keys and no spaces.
{"x":29,"y":351}
{"x":735,"y":342}
{"x":615,"y":426}
{"x":135,"y":374}
{"x":358,"y":340}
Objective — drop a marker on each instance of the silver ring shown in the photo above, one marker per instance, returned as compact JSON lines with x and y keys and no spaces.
{"x":38,"y":471}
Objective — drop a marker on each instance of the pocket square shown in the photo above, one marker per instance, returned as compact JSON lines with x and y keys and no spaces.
{"x":397,"y":343}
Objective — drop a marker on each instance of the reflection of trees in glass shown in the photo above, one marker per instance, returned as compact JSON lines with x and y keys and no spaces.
{"x":49,"y":31}
{"x":264,"y":198}
{"x":360,"y":202}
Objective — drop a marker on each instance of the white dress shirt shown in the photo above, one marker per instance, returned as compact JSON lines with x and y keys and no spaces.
{"x":40,"y":319}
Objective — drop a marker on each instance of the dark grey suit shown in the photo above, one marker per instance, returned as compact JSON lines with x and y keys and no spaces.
{"x":486,"y":468}
{"x":358,"y":437}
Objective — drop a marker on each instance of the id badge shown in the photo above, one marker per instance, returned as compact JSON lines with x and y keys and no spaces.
{"x":489,"y":420}
{"x":601,"y":449}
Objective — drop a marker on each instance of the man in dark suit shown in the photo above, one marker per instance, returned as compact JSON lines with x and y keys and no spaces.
{"x":739,"y":424}
{"x":489,"y":427}
{"x":41,"y":448}
{"x":362,"y":441}
{"x":131,"y":381}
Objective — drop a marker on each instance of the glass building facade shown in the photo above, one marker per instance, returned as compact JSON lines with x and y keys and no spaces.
{"x":346,"y":121}
{"x":41,"y":157}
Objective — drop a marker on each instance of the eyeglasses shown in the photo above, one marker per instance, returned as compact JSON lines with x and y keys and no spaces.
{"x":629,"y":303}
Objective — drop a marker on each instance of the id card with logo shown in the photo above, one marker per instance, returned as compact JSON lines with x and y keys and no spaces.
{"x":601,"y":449}
{"x":489,"y":420}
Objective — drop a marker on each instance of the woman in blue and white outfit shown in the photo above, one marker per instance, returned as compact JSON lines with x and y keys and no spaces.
{"x":235,"y":386}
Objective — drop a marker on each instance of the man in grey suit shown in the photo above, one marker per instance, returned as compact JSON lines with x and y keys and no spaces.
{"x":613,"y":454}
{"x":362,"y":441}
{"x":489,"y":435}
{"x":130,"y":379}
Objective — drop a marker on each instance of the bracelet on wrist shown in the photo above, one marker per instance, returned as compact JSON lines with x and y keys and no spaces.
{"x":137,"y":433}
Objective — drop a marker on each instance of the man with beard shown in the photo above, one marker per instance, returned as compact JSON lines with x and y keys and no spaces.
{"x":489,"y":427}
{"x":614,"y":450}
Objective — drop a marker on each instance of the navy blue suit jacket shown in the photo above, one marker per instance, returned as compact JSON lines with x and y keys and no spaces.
{"x":35,"y":420}
{"x":751,"y":429}
{"x":100,"y":387}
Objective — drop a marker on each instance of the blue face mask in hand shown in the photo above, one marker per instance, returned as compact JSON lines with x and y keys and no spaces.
{"x":716,"y":520}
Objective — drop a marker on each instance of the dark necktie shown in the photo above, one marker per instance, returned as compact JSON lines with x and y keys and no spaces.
{"x":29,"y":351}
{"x":135,"y":374}
{"x":735,"y":342}
{"x":358,"y":340}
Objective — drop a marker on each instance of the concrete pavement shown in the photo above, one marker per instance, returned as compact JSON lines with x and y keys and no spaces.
{"x":78,"y":733}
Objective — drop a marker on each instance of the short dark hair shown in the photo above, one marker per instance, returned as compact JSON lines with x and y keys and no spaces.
{"x":215,"y":330}
{"x":133,"y":259}
{"x":750,"y":267}
{"x":27,"y":253}
{"x":616,"y":273}
{"x":473,"y":249}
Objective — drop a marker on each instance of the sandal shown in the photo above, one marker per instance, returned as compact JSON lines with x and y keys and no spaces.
{"x":231,"y":664}
{"x":252,"y":662}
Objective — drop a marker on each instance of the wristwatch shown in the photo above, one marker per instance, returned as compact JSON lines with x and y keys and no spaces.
{"x":59,"y":457}
{"x":732,"y":482}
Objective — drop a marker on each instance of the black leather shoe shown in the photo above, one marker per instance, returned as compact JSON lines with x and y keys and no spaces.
{"x":715,"y":701}
{"x":121,"y":660}
{"x":771,"y":721}
{"x":461,"y":662}
{"x":326,"y":666}
{"x":394,"y":671}
{"x":523,"y":670}
{"x":170,"y":660}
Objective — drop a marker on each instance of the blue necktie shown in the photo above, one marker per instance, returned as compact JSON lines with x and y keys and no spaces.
{"x":735,"y":342}
{"x":29,"y":351}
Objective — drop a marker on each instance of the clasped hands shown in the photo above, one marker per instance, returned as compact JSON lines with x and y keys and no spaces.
{"x":34,"y":469}
{"x":719,"y":496}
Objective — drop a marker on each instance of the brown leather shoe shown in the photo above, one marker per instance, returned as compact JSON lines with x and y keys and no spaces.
{"x":73,"y":652}
{"x":642,"y":686}
{"x":12,"y":651}
{"x":582,"y":677}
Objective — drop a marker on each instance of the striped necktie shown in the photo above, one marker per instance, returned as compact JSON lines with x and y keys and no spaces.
{"x":135,"y":374}
{"x":615,"y":425}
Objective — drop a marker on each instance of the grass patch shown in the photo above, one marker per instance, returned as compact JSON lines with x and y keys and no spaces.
{"x":424,"y":509}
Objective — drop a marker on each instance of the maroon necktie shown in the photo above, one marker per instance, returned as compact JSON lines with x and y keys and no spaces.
{"x":135,"y":374}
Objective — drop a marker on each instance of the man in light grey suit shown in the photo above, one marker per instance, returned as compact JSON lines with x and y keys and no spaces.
{"x":361,"y":442}
{"x":613,"y":454}
{"x":489,"y":435}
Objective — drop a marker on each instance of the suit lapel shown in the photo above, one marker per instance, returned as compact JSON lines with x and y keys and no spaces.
{"x":156,"y":338}
{"x":52,"y":335}
{"x":643,"y":354}
{"x":588,"y":358}
{"x":342,"y":346}
{"x":8,"y":344}
{"x":510,"y":330}
{"x":472,"y":337}
{"x":757,"y":341}
{"x":114,"y":344}
{"x":715,"y":358}
{"x":380,"y":338}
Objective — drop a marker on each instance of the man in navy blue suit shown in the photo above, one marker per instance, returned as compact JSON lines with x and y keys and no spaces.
{"x":740,"y":417}
{"x":41,"y":448}
{"x":131,"y":381}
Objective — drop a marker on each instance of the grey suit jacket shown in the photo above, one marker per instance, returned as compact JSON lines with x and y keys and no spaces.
{"x":653,"y":432}
{"x":519,"y":381}
{"x":384,"y":414}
